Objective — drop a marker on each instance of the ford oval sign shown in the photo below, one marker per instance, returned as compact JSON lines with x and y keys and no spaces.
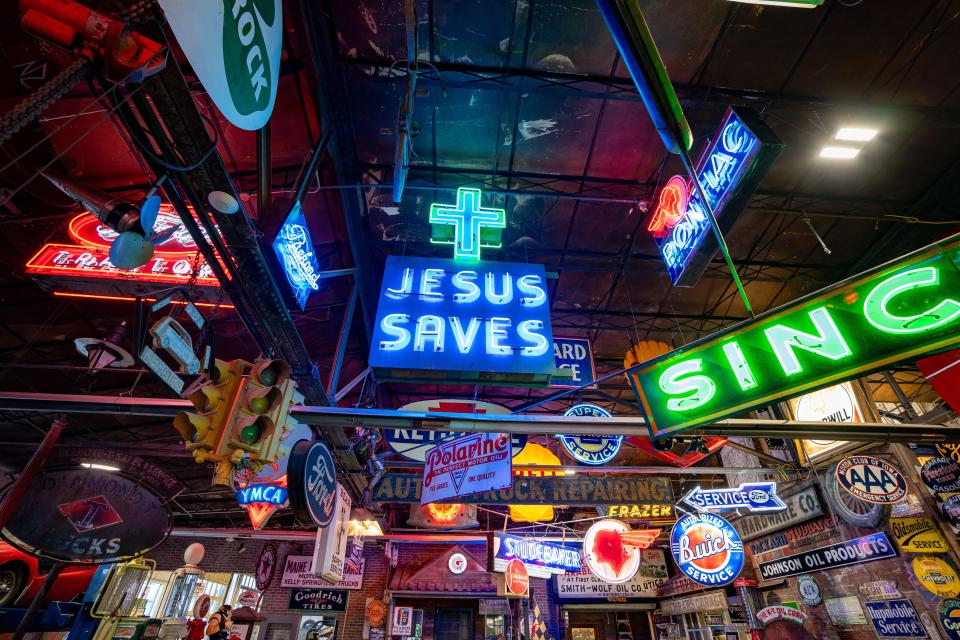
{"x":707,"y":549}
{"x":590,"y":449}
{"x":312,"y":482}
{"x":871,"y":479}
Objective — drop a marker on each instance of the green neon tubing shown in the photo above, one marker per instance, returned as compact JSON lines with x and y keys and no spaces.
{"x":827,"y":342}
{"x":699,"y":389}
{"x":739,"y":366}
{"x":876,"y":303}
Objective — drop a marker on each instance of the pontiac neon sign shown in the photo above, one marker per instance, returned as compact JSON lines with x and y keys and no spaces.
{"x":729,"y":171}
{"x":891,"y":313}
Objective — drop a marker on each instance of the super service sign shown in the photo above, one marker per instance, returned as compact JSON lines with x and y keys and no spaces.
{"x":896,"y":311}
{"x":444,"y":320}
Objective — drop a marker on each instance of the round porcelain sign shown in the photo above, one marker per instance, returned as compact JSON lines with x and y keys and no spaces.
{"x":707,"y":549}
{"x":871,"y":479}
{"x":516,"y":579}
{"x":606,"y":554}
{"x":590,"y":449}
{"x":809,"y":590}
{"x":457,"y":563}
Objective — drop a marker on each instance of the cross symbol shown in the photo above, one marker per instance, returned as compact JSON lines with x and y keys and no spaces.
{"x":469,"y":220}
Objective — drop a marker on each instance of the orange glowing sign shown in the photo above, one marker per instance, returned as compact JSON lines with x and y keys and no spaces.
{"x":671,"y":207}
{"x":443,"y":513}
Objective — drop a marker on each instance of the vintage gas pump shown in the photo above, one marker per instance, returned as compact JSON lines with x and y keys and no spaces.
{"x":180,"y":593}
{"x":119,"y":606}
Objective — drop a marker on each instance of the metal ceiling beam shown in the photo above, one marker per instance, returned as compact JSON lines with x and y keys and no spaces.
{"x":334,"y":419}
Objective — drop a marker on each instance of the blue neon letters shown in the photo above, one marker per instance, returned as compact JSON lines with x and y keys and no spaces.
{"x":533,"y":552}
{"x":441,"y":315}
{"x":720,"y":171}
{"x":263,"y":494}
{"x":294,"y":249}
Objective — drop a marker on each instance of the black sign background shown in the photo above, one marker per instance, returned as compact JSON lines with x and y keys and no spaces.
{"x":872,"y":547}
{"x":79,"y":515}
{"x":329,"y":600}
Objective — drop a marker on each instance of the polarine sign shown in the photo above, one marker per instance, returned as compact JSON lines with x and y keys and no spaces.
{"x":485,"y":322}
{"x":728,"y":173}
{"x":891,"y":313}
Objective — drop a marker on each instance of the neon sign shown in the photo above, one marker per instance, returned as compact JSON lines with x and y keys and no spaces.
{"x":707,"y":549}
{"x":467,"y":225}
{"x":262,"y":493}
{"x":542,"y":558}
{"x":891,"y":313}
{"x":752,"y":496}
{"x":294,"y":249}
{"x":729,"y":171}
{"x":488,"y":323}
{"x":176,"y":260}
{"x":590,"y":449}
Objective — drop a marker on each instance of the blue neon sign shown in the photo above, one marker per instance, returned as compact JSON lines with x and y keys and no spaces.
{"x":553,"y":558}
{"x":473,"y":226}
{"x":294,"y":249}
{"x":262,"y":494}
{"x":721,"y":169}
{"x":439,"y":319}
{"x":590,"y":449}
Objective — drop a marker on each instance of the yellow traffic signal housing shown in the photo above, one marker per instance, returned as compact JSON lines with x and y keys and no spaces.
{"x":202,"y":431}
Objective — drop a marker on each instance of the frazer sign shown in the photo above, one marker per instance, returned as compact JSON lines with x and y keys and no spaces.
{"x":479,"y":322}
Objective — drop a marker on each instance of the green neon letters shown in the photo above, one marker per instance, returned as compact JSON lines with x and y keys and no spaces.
{"x":901,"y":310}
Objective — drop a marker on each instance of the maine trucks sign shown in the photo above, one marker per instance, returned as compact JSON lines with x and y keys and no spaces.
{"x":469,"y":464}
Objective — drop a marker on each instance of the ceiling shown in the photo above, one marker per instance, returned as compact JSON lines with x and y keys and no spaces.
{"x":530,"y":101}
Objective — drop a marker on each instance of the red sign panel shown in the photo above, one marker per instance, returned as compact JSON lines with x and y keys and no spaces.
{"x":516,"y":579}
{"x":90,"y":513}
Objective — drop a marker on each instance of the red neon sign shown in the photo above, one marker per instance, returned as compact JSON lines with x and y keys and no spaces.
{"x":671,"y":207}
{"x":176,"y":260}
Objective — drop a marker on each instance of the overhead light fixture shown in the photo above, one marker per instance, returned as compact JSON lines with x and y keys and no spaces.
{"x":797,"y":4}
{"x":856,"y":134}
{"x":839,"y":153}
{"x":364,"y":528}
{"x":106,"y":352}
{"x":98,"y":466}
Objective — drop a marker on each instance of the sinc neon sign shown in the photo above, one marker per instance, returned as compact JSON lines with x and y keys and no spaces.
{"x":175,"y":261}
{"x":729,"y":171}
{"x":897,"y":311}
{"x":488,"y":323}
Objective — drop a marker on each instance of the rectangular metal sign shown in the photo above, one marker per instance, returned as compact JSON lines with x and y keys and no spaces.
{"x":896,"y":311}
{"x":575,"y":354}
{"x":541,"y":558}
{"x":918,"y":535}
{"x":472,"y":463}
{"x":729,"y":171}
{"x":895,"y":619}
{"x":802,"y":504}
{"x":329,"y":600}
{"x":573,"y":491}
{"x":875,"y":546}
{"x":584,"y":585}
{"x":448,"y":321}
{"x":298,"y":572}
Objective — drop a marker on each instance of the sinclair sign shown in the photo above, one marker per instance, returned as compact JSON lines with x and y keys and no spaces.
{"x":903,"y":309}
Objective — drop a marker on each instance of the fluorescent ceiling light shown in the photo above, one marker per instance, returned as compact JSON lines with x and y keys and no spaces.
{"x":839,"y":153}
{"x":856,"y":134}
{"x":101,"y":467}
{"x":798,"y":4}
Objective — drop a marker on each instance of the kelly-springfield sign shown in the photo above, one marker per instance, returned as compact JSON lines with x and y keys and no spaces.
{"x":896,"y":311}
{"x":875,"y":546}
{"x":585,"y":585}
{"x":298,"y":572}
{"x":472,"y":463}
{"x":542,"y":558}
{"x":446,"y":320}
{"x":562,"y":490}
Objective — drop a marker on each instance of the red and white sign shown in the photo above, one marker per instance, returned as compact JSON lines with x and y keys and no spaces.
{"x":266,"y":566}
{"x":472,"y":463}
{"x":402,"y":621}
{"x":515,"y":578}
{"x":779,"y":612}
{"x":249,"y":599}
{"x":611,"y":549}
{"x":175,"y":260}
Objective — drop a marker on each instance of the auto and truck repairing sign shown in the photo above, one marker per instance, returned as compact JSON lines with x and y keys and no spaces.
{"x":469,"y":464}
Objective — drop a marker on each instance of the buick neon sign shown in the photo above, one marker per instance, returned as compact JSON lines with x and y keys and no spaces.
{"x":729,"y":171}
{"x":176,"y":260}
{"x":900,"y":310}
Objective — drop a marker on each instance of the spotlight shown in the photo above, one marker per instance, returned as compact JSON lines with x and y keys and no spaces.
{"x":839,"y":153}
{"x":106,"y":352}
{"x":662,"y":444}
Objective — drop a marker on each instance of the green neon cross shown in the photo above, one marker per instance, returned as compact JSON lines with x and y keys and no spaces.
{"x":469,"y":221}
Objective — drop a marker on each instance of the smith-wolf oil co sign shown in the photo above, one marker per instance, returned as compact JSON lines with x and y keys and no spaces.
{"x":234,"y":48}
{"x":899,"y":310}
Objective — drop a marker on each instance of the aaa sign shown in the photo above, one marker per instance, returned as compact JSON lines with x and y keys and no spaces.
{"x":894,"y":312}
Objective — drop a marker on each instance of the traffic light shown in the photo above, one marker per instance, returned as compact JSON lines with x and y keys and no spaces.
{"x":258,"y":419}
{"x":202,"y":431}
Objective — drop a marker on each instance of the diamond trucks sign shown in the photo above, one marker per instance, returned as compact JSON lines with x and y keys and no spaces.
{"x":896,"y":311}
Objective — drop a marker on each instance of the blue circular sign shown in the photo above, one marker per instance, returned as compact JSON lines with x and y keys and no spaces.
{"x":942,"y":474}
{"x":950,"y":617}
{"x":707,"y":549}
{"x":312,"y":482}
{"x":590,"y":449}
